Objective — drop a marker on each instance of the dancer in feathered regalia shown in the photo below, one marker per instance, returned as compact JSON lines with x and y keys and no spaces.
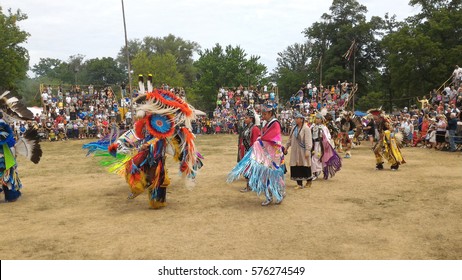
{"x":324,"y":157}
{"x":163,"y":126}
{"x":388,"y":143}
{"x":346,"y":128}
{"x":263,"y":164}
{"x":26,"y":145}
{"x":248,"y":136}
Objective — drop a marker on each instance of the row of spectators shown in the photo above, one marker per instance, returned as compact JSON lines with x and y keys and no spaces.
{"x":78,"y":113}
{"x":439,"y":115}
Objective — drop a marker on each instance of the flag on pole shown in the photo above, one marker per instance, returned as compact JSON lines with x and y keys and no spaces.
{"x":350,"y":51}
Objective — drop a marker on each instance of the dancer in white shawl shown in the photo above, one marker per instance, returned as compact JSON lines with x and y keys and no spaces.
{"x":324,"y":158}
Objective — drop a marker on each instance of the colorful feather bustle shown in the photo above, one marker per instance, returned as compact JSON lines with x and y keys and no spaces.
{"x":139,"y":127}
{"x":160,"y":126}
{"x":163,"y":102}
{"x":163,"y":126}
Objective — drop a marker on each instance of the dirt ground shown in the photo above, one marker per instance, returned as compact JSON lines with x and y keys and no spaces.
{"x":73,"y":209}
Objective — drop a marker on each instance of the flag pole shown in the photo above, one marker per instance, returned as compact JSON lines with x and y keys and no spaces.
{"x":354,"y":72}
{"x":128,"y":66}
{"x":320,"y":74}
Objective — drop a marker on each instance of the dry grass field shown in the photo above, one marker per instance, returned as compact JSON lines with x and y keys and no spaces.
{"x":73,"y":209}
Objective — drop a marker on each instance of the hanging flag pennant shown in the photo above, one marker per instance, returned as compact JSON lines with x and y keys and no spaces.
{"x":350,"y":51}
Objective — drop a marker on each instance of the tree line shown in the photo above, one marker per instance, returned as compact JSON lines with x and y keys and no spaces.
{"x":393,"y":61}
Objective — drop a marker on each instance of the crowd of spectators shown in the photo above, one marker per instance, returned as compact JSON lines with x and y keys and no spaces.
{"x":78,"y":113}
{"x":233,"y":102}
{"x":436,"y":123}
{"x":74,"y":113}
{"x":439,"y":115}
{"x":231,"y":105}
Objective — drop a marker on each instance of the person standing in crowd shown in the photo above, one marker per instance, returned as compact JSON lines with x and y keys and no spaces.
{"x":452,"y":127}
{"x":423,"y":131}
{"x":264,"y":163}
{"x":440,"y":131}
{"x":301,"y":141}
{"x":247,"y":137}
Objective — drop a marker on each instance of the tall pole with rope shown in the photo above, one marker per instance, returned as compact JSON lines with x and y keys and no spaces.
{"x":320,"y":72}
{"x":128,"y":66}
{"x":354,"y":74}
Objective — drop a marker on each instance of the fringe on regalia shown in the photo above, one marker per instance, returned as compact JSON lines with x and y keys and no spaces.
{"x":164,"y":123}
{"x":331,"y":161}
{"x":263,"y":178}
{"x":391,"y":150}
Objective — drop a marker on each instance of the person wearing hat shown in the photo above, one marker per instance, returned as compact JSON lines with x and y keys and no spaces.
{"x":324,"y":158}
{"x":300,"y":144}
{"x":247,"y":137}
{"x":264,"y":163}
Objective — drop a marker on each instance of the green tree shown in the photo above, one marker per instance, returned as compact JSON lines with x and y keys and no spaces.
{"x":14,"y":59}
{"x":373,"y":99}
{"x":421,"y":53}
{"x":292,"y":69}
{"x":218,"y":67}
{"x":47,"y":67}
{"x":66,"y":72}
{"x":162,"y":67}
{"x":345,"y":28}
{"x":75,"y":67}
{"x":102,"y":71}
{"x":29,"y":89}
{"x":181,"y":49}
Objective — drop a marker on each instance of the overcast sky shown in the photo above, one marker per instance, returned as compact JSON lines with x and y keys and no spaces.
{"x":94,"y":28}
